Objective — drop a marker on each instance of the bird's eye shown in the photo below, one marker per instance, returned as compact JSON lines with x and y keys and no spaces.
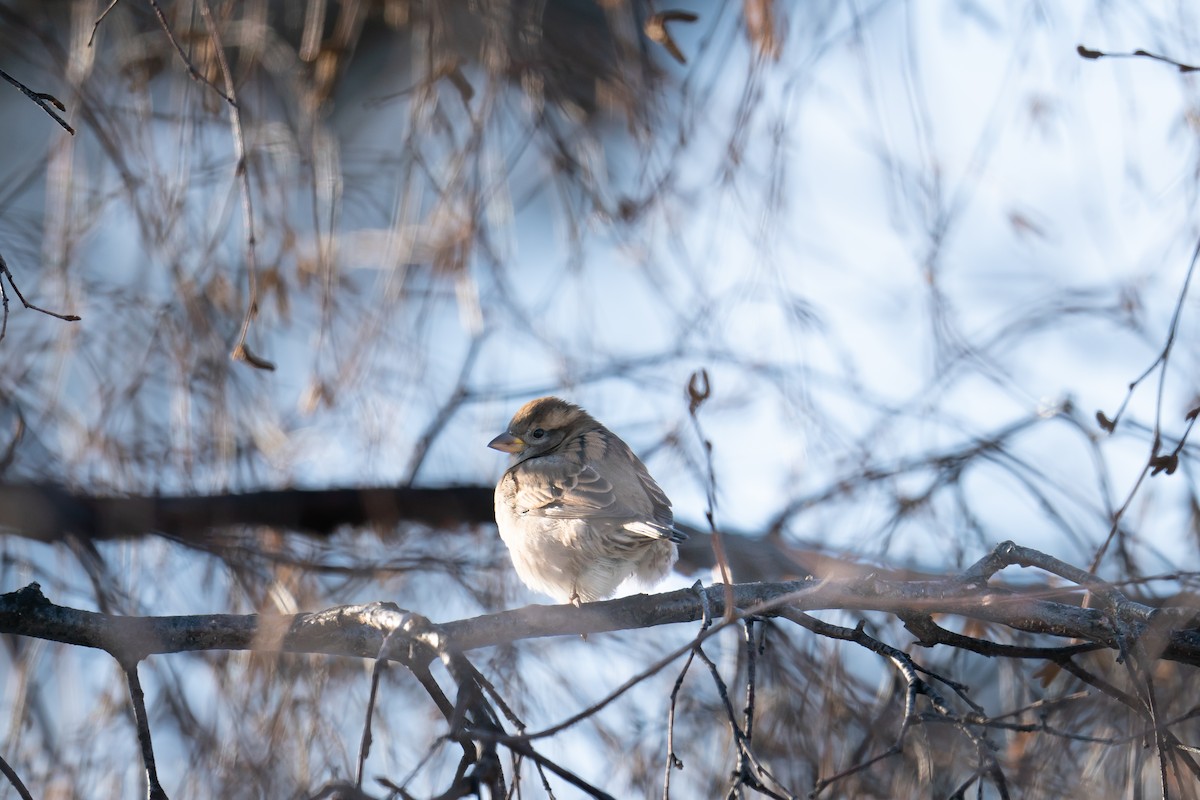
{"x":538,"y":433}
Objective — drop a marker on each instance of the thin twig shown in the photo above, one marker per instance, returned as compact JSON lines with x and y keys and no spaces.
{"x":749,"y":767}
{"x":14,"y":779}
{"x":1094,"y":55}
{"x":96,"y":25}
{"x":1156,"y":462}
{"x":187,"y":62}
{"x":673,"y":761}
{"x":364,"y":744}
{"x":240,"y":352}
{"x":5,"y":272}
{"x":43,"y":100}
{"x":754,"y":648}
{"x":138,"y":698}
{"x":699,"y":389}
{"x":458,"y":397}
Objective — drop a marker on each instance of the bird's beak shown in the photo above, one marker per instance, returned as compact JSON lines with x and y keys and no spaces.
{"x":507,"y":443}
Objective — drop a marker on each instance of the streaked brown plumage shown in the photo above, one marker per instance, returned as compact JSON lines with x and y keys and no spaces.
{"x":577,"y":509}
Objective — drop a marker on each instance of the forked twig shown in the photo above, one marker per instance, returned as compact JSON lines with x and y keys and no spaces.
{"x":1157,"y":462}
{"x":5,"y":272}
{"x":187,"y":62}
{"x":44,"y":101}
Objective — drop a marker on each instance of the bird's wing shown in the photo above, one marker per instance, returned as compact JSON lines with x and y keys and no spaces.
{"x":563,"y":486}
{"x":552,"y":486}
{"x":660,"y":504}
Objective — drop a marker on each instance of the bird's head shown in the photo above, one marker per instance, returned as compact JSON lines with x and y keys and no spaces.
{"x":540,"y":426}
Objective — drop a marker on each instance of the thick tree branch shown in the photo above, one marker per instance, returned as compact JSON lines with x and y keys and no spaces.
{"x":52,"y":513}
{"x":344,"y":630}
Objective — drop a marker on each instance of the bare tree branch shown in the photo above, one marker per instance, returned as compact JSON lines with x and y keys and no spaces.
{"x":28,"y":613}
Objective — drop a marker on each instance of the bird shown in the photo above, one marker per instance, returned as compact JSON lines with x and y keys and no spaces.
{"x":577,"y":509}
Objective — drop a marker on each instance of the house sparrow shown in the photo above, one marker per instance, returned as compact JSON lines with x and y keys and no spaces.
{"x":577,"y":509}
